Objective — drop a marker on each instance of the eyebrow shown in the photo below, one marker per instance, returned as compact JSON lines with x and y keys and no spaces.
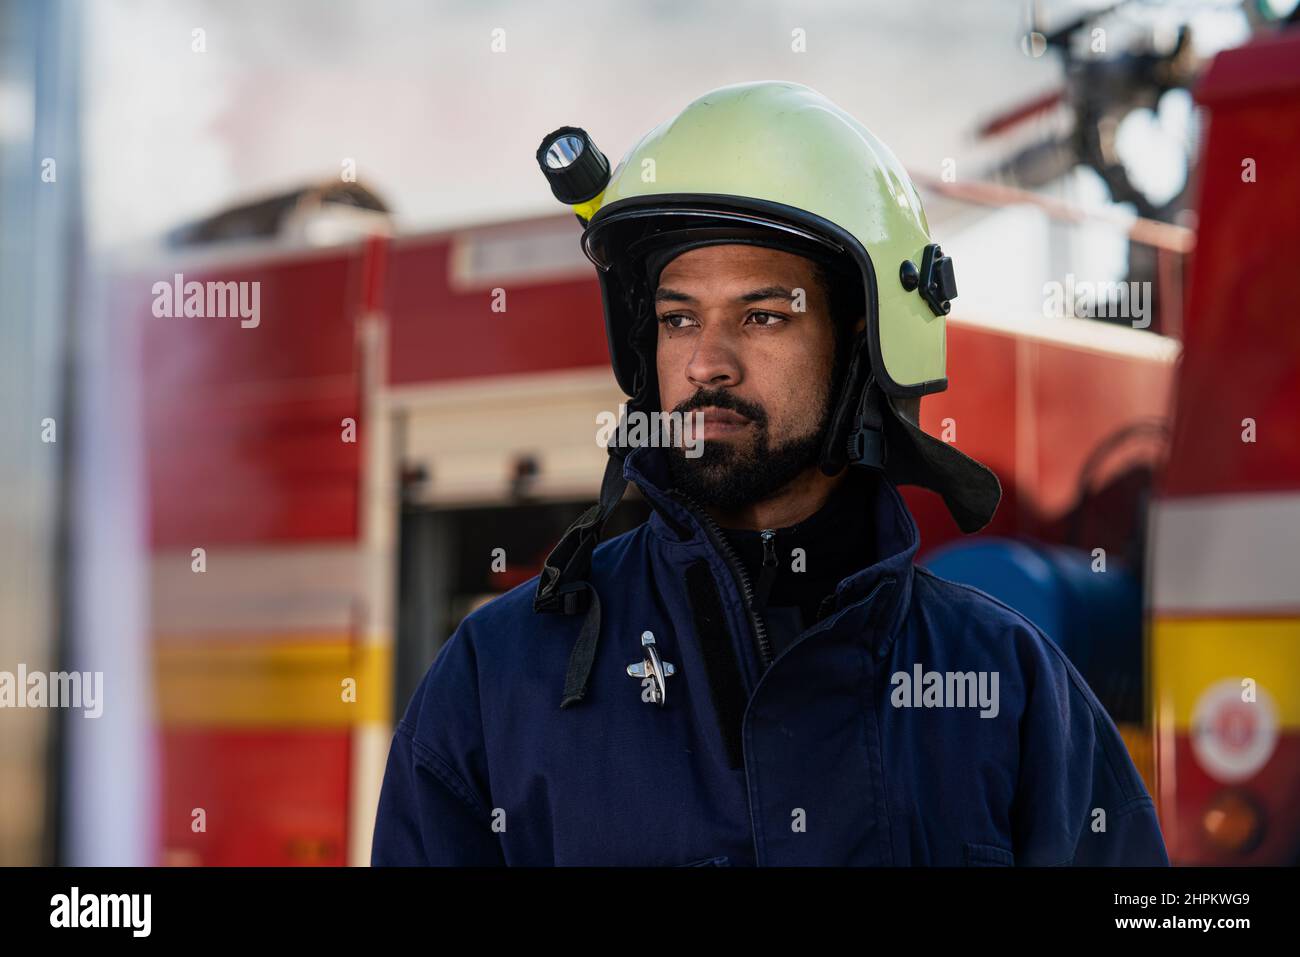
{"x":664,"y":294}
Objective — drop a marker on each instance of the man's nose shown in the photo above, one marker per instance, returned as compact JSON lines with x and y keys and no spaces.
{"x":714,"y":362}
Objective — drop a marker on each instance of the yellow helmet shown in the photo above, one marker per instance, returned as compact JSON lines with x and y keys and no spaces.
{"x":776,"y":163}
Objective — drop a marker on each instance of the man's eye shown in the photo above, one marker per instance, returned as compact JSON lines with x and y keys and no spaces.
{"x":675,"y":320}
{"x":767,"y":318}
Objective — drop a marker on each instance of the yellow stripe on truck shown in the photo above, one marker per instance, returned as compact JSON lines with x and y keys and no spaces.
{"x":1190,"y":655}
{"x":272,"y":683}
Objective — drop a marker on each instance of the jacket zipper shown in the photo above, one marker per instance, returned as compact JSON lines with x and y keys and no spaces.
{"x":714,"y":531}
{"x":768,"y":573}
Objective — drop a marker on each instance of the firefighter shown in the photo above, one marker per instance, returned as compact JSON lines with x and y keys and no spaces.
{"x":759,"y":674}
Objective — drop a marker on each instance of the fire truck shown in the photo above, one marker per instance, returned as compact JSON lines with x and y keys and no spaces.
{"x":1224,"y":595}
{"x":411,"y":424}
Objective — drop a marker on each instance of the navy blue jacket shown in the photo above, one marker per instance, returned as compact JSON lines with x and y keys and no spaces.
{"x":830,"y":755}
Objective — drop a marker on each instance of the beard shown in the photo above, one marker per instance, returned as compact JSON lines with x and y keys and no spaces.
{"x":731,"y":475}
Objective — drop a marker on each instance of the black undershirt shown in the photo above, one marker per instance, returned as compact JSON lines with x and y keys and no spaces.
{"x":836,"y":540}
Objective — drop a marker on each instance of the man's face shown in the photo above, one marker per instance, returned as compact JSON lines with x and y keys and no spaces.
{"x":732,"y":343}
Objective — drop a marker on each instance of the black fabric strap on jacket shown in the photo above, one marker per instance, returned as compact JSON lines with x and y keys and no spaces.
{"x":720,"y":662}
{"x":584,"y":650}
{"x":565,"y":587}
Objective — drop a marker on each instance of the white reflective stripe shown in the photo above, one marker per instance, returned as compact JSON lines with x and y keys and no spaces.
{"x":1226,"y":553}
{"x":257,"y":590}
{"x":1101,"y":337}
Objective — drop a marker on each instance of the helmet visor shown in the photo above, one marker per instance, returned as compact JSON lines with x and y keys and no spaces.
{"x":631,"y":232}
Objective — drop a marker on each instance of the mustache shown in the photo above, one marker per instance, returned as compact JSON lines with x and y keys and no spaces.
{"x":724,"y":399}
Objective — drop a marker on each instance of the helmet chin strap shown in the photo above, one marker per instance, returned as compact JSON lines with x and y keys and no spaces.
{"x":866,"y":441}
{"x":856,"y":433}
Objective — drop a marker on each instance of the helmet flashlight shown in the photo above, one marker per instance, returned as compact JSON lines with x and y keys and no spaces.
{"x":577,"y":171}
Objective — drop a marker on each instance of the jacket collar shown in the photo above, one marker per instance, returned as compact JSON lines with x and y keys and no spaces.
{"x":895,"y":544}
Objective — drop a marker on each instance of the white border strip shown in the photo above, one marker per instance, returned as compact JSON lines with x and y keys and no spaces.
{"x":258,"y":592}
{"x":1226,"y":553}
{"x":1090,"y":334}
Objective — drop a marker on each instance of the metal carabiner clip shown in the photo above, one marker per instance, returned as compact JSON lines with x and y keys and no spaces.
{"x":654,"y":668}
